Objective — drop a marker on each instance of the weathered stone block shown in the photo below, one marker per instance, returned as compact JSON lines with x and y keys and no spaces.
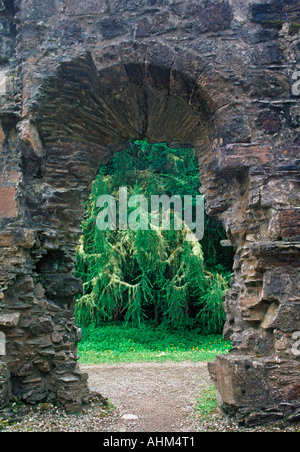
{"x":9,"y":320}
{"x":2,"y":344}
{"x":269,"y":121}
{"x":8,"y":203}
{"x":6,"y":240}
{"x":277,"y":285}
{"x":288,"y":317}
{"x":111,"y":27}
{"x":268,"y":14}
{"x":241,"y":381}
{"x":274,"y":14}
{"x":38,"y":10}
{"x":207,"y":16}
{"x":252,"y":308}
{"x":237,"y":157}
{"x":7,"y":38}
{"x":90,"y":7}
{"x":30,"y":136}
{"x":267,"y":84}
{"x":270,"y":317}
{"x":2,"y":83}
{"x":43,"y":326}
{"x":5,"y":385}
{"x":290,"y":223}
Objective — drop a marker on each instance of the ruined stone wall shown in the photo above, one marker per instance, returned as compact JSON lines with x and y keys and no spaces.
{"x":77,"y":81}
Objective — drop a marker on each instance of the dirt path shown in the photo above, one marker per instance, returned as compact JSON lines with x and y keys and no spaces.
{"x":162,"y":396}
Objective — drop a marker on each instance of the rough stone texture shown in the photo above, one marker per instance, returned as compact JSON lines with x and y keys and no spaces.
{"x":8,"y":206}
{"x":77,"y":81}
{"x":5,"y":386}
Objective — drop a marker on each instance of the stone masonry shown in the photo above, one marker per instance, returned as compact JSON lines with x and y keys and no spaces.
{"x":78,"y":79}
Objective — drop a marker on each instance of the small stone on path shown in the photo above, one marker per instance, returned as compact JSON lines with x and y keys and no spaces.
{"x":130,"y":417}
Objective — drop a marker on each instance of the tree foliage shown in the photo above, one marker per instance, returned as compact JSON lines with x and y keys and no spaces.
{"x":155,"y":274}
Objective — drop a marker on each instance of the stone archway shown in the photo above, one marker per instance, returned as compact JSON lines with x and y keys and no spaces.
{"x":80,"y":103}
{"x":80,"y":117}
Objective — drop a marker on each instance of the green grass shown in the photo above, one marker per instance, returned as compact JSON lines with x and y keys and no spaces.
{"x":207,"y":403}
{"x":114,"y":343}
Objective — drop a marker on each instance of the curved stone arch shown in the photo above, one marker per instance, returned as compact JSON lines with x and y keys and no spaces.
{"x":151,"y":91}
{"x":180,"y":73}
{"x":147,"y":69}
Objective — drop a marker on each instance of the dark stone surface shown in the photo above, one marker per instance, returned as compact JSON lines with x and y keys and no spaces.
{"x":5,"y":385}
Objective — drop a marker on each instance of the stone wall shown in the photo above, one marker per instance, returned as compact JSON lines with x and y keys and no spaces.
{"x":77,"y":81}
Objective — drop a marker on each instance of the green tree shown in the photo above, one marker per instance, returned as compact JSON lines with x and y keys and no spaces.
{"x":155,"y":274}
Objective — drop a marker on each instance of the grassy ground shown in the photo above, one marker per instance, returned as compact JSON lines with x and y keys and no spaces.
{"x":207,"y":403}
{"x":116,"y":343}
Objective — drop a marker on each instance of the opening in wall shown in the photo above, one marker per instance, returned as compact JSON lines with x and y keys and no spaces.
{"x":133,"y":271}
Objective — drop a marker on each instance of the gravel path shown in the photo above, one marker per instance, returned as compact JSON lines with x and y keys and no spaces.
{"x":147,"y":397}
{"x":162,"y":396}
